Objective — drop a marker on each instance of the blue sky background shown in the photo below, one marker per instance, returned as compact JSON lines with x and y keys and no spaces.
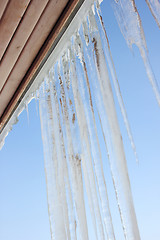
{"x":23,"y":202}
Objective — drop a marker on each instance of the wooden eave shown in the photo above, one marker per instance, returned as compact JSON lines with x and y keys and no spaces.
{"x":29,"y":31}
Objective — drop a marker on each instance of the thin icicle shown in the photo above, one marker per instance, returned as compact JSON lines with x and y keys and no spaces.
{"x":131,"y":27}
{"x":42,"y":107}
{"x":114,"y":140}
{"x":154,"y":6}
{"x":107,"y":51}
{"x":36,"y":101}
{"x":27,"y":112}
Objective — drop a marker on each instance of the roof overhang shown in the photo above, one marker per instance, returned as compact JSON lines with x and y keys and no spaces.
{"x":29,"y":33}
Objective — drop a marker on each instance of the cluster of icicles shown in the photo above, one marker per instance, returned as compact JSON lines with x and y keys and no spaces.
{"x":76,"y":103}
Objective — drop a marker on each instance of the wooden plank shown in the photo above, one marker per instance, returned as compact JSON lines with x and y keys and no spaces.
{"x":3,"y":4}
{"x":42,"y":56}
{"x":31,"y":49}
{"x":9,"y":22}
{"x":20,"y":38}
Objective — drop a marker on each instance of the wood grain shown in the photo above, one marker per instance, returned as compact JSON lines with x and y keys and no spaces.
{"x":9,"y":22}
{"x":3,"y":4}
{"x":20,"y":38}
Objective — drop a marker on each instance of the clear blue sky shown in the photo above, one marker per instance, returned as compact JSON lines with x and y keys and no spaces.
{"x":23,"y":203}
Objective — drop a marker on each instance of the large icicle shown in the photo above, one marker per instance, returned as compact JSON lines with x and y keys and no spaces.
{"x":86,"y":96}
{"x":76,"y":116}
{"x":74,"y":160}
{"x":54,"y":202}
{"x":87,"y":163}
{"x":114,"y":139}
{"x":63,"y":169}
{"x":154,"y":6}
{"x":107,"y":51}
{"x":131,"y":27}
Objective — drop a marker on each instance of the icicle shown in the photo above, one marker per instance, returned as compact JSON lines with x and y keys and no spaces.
{"x":54,"y":202}
{"x":75,"y":163}
{"x":89,"y":112}
{"x":63,"y":159}
{"x":84,"y":156}
{"x":87,"y":162}
{"x":62,"y":166}
{"x":26,"y":106}
{"x":131,"y":27}
{"x":109,"y":59}
{"x":154,"y":6}
{"x":114,"y":140}
{"x":36,"y":101}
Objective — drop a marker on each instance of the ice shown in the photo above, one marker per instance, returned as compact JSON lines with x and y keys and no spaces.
{"x":86,"y":96}
{"x":107,"y":51}
{"x":55,"y":205}
{"x":27,"y":112}
{"x":78,"y":115}
{"x":131,"y":27}
{"x":87,"y":159}
{"x":64,"y":166}
{"x":107,"y":113}
{"x":154,"y":6}
{"x":73,"y":156}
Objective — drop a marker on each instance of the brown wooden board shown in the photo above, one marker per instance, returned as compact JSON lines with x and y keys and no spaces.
{"x":25,"y":79}
{"x":9,"y":22}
